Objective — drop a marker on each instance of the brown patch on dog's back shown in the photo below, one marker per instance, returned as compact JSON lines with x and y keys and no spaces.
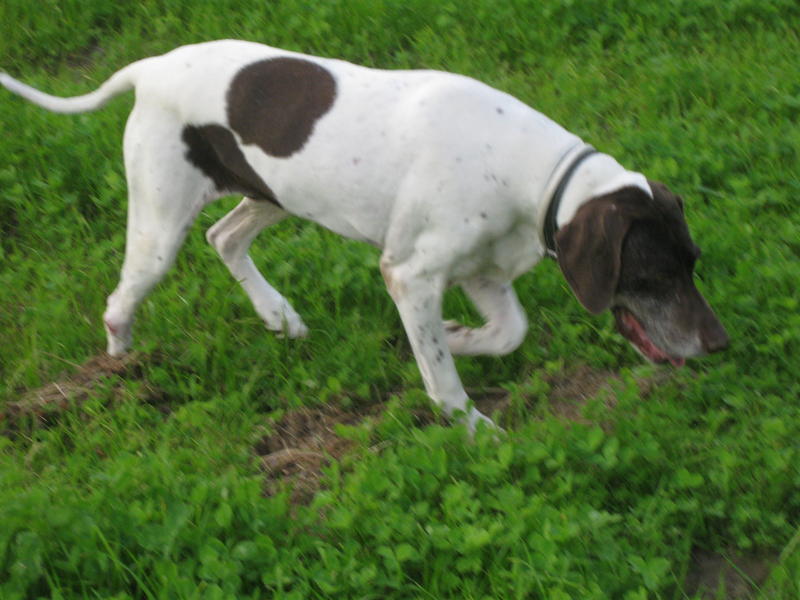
{"x":275,"y":103}
{"x":213,"y":150}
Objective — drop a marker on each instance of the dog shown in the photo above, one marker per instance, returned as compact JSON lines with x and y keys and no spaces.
{"x":456,"y":182}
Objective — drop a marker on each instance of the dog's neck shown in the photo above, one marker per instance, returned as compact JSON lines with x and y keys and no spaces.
{"x":594,"y":175}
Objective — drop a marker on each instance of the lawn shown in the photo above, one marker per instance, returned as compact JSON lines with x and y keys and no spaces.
{"x":221,"y":461}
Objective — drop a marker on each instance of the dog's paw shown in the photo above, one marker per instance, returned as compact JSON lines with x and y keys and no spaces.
{"x":293,"y":331}
{"x":116,"y":349}
{"x":476,"y":418}
{"x":280,"y":318}
{"x":288,"y":324}
{"x":118,"y":338}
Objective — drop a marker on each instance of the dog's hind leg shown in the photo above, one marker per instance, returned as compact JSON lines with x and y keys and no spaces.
{"x":231,"y":237}
{"x":165,"y":194}
{"x":506,"y":323}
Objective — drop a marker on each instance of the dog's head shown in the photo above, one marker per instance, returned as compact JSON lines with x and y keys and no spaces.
{"x":633,"y":253}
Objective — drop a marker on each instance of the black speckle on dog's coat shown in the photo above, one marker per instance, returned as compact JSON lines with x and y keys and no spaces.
{"x":275,"y":103}
{"x":213,"y":150}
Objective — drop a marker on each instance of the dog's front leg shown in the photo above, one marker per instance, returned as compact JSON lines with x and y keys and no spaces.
{"x":505,"y":326}
{"x":418,"y":295}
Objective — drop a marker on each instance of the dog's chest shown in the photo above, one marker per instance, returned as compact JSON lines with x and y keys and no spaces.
{"x":503,"y":258}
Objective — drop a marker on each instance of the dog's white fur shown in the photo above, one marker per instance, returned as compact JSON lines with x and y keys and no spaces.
{"x":450,"y":177}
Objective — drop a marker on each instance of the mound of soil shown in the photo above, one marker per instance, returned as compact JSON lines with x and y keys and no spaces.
{"x":303,"y":441}
{"x":300,"y":444}
{"x":44,"y":405}
{"x":569,"y":392}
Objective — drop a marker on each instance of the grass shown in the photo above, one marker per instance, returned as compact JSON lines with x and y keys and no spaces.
{"x":151,"y":488}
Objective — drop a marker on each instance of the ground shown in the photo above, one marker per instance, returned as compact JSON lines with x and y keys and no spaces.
{"x":302,"y":441}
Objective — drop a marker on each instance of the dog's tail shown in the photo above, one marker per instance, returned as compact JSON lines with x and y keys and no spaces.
{"x":119,"y":83}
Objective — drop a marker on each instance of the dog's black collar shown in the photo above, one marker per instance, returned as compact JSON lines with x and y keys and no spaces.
{"x":550,"y":225}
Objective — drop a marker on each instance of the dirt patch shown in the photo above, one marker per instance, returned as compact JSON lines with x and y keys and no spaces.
{"x":570,"y":391}
{"x":491,"y":401}
{"x":301,"y":443}
{"x":305,"y":440}
{"x":737,"y":575}
{"x":44,"y":405}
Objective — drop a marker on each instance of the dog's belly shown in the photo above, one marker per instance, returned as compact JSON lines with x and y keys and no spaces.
{"x":346,"y":192}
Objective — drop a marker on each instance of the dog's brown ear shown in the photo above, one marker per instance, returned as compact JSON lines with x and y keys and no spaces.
{"x":589,"y":247}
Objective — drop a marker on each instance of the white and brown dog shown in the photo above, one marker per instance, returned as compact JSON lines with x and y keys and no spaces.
{"x":457,"y":182}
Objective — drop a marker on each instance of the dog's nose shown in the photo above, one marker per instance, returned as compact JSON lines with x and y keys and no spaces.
{"x":715,"y":338}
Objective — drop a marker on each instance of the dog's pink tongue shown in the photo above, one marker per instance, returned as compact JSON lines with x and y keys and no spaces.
{"x":638,"y":336}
